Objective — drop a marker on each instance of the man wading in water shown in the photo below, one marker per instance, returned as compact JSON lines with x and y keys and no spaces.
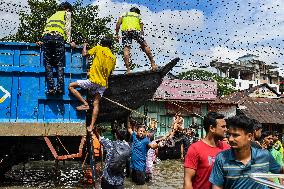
{"x":117,"y":153}
{"x":139,"y":148}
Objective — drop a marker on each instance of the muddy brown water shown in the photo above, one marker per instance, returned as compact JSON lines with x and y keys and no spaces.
{"x":168,"y":174}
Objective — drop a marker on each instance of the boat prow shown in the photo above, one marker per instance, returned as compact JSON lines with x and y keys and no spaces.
{"x":132,"y":91}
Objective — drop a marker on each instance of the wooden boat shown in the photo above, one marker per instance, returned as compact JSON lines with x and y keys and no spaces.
{"x":131,"y":91}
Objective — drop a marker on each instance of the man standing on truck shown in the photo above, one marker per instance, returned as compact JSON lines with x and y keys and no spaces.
{"x":56,"y":31}
{"x":132,"y":28}
{"x":103,"y":64}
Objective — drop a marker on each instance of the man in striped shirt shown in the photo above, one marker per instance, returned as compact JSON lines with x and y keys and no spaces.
{"x":232,"y":167}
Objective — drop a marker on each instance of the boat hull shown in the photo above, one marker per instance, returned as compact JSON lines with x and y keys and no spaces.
{"x":130,"y":91}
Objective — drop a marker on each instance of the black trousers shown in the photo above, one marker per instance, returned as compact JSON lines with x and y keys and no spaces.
{"x":138,"y":177}
{"x":54,"y":57}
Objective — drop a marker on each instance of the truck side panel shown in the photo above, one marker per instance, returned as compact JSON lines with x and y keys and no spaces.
{"x":23,"y":101}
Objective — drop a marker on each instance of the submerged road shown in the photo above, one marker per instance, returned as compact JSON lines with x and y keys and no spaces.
{"x":168,"y":174}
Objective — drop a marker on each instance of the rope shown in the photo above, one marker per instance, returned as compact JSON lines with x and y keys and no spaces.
{"x":185,"y":109}
{"x":83,"y":164}
{"x":63,"y":145}
{"x":92,"y":163}
{"x":131,"y":110}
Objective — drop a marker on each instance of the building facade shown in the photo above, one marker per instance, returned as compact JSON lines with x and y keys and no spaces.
{"x":261,"y":103}
{"x":248,"y":72}
{"x":194,"y":99}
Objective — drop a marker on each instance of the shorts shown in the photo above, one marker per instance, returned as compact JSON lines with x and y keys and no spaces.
{"x":139,"y":177}
{"x":93,"y":87}
{"x":127,"y":37}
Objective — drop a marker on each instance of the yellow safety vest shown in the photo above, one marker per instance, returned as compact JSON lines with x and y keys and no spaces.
{"x":56,"y":23}
{"x":131,"y":21}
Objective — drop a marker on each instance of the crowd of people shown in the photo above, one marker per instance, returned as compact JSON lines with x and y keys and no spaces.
{"x":231,"y":150}
{"x":136,"y":157}
{"x":145,"y":148}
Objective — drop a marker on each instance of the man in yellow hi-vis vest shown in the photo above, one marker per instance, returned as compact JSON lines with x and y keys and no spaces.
{"x":132,"y":28}
{"x":56,"y":31}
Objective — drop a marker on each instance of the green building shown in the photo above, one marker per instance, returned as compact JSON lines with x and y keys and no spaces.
{"x":194,"y":99}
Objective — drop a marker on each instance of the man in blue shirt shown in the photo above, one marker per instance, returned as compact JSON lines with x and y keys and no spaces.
{"x":232,"y":167}
{"x":140,"y":146}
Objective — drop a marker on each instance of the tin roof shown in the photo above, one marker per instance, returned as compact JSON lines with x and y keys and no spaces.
{"x":265,"y":110}
{"x":217,"y":100}
{"x":268,"y":111}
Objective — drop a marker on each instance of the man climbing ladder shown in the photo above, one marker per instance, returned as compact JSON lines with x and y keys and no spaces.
{"x":132,"y":28}
{"x":56,"y":31}
{"x":102,"y":66}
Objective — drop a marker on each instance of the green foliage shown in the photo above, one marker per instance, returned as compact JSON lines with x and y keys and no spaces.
{"x":32,"y":23}
{"x":86,"y":26}
{"x":224,"y":84}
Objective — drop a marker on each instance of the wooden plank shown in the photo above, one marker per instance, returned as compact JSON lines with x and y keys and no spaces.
{"x":42,"y":129}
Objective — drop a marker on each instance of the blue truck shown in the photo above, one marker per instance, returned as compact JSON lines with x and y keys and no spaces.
{"x":25,"y":109}
{"x":35,"y":126}
{"x":30,"y":120}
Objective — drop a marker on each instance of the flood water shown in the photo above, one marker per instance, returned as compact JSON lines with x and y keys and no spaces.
{"x":168,"y":174}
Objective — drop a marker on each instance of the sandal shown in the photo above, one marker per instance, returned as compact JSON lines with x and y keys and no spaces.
{"x":83,"y":107}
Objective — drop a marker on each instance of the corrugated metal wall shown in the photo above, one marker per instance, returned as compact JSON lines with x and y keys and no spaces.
{"x":22,"y":74}
{"x":157,"y":110}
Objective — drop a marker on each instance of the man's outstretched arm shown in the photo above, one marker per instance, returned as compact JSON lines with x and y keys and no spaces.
{"x":129,"y":128}
{"x":188,"y":177}
{"x":84,"y":50}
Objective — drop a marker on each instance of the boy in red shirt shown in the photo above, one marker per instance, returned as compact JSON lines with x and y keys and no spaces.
{"x":201,"y":155}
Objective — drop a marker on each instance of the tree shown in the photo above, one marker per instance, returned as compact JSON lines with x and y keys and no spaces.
{"x":85,"y":22}
{"x":224,"y":84}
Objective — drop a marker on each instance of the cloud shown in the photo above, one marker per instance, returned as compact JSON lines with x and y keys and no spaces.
{"x":236,"y":28}
{"x":9,"y":16}
{"x":162,"y":29}
{"x":225,"y":30}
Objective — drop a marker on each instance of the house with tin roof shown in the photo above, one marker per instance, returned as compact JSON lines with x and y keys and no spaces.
{"x":194,"y":99}
{"x":262,"y":103}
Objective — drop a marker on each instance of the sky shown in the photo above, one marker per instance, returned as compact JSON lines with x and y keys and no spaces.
{"x":196,"y":31}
